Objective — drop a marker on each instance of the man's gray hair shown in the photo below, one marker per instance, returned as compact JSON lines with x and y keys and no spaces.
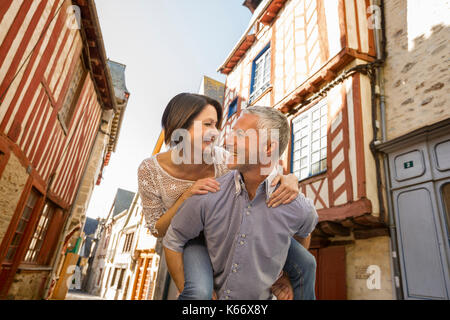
{"x":271,"y":118}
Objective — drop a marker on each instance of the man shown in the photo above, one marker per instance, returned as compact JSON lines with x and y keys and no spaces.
{"x":247,"y":241}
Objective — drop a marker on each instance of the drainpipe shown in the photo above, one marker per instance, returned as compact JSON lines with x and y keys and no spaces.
{"x":380,"y":38}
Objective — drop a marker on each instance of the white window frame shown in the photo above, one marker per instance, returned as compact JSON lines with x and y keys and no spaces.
{"x":261,"y":81}
{"x":303,"y":140}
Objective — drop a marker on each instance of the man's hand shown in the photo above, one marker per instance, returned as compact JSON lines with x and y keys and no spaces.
{"x":282,"y":288}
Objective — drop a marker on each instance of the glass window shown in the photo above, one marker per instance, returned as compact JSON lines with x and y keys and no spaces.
{"x":128,"y":242}
{"x":40,"y":232}
{"x":22,"y":225}
{"x":232,"y":108}
{"x":309,"y":150}
{"x":68,"y":107}
{"x":261,"y":74}
{"x":119,"y":284}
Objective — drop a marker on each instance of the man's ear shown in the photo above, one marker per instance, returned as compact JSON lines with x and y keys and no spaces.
{"x":272,"y":147}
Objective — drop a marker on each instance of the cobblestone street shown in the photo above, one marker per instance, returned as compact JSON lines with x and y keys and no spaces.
{"x":80,"y":295}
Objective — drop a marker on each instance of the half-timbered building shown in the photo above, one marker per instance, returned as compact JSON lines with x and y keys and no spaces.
{"x":56,"y":93}
{"x":312,"y":59}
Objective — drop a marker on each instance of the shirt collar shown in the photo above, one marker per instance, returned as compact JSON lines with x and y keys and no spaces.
{"x":240,"y":185}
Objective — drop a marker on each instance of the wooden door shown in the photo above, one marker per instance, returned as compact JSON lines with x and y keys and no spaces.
{"x":330,"y":273}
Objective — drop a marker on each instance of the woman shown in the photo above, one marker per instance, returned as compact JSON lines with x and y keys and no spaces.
{"x":165,"y":183}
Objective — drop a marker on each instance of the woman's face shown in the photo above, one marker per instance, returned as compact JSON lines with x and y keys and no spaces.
{"x":204,"y":130}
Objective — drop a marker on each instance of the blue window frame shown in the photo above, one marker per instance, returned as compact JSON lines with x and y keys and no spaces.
{"x":232,"y":108}
{"x":309,"y":141}
{"x":261,"y":72}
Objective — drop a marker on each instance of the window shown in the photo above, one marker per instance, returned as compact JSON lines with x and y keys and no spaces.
{"x":128,"y":241}
{"x":73,"y":92}
{"x":22,"y":225}
{"x":106,"y":241}
{"x":119,"y":284}
{"x":114,"y":277}
{"x":40,"y":233}
{"x":99,"y":276}
{"x":309,"y":138}
{"x":260,"y":74}
{"x":232,"y":108}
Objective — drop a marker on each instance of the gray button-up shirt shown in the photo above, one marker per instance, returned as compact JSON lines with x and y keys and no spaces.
{"x":247,"y":241}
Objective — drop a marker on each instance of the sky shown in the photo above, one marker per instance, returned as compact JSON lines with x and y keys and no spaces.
{"x":167,"y":47}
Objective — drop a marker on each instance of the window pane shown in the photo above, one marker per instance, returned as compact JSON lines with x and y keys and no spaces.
{"x":27,"y":212}
{"x":323,"y":164}
{"x":323,"y":131}
{"x":316,"y":135}
{"x":304,"y":161}
{"x":16,"y":239}
{"x":315,"y":157}
{"x":303,"y":173}
{"x":316,"y":115}
{"x":315,"y":146}
{"x":323,"y":153}
{"x":296,"y":165}
{"x":21,"y":226}
{"x":315,"y":168}
{"x":304,"y":151}
{"x":304,"y":141}
{"x":304,"y":132}
{"x":316,"y":124}
{"x":10,"y":254}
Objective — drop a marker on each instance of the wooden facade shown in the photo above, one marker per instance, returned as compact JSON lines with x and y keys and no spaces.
{"x":54,"y":86}
{"x":314,"y":47}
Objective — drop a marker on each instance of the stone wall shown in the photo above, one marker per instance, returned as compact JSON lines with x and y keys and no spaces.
{"x":417,"y":73}
{"x":12,"y":182}
{"x":361,"y":255}
{"x":27,"y":285}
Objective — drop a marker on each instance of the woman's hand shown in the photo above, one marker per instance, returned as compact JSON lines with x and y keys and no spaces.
{"x":282,"y":288}
{"x":286,"y":192}
{"x":202,"y":186}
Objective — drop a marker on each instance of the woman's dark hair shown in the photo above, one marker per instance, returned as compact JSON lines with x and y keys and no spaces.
{"x":183,"y":109}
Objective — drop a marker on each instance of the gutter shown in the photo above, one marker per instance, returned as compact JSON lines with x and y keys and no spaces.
{"x":381,"y":54}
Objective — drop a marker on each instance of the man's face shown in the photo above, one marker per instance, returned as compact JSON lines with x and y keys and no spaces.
{"x":243,"y":142}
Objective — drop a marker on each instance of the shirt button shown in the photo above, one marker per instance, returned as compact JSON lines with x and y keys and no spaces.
{"x":234,"y":270}
{"x":248,"y":212}
{"x":227,"y":297}
{"x":243,"y":236}
{"x":242,"y":242}
{"x":235,"y":265}
{"x":228,"y":291}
